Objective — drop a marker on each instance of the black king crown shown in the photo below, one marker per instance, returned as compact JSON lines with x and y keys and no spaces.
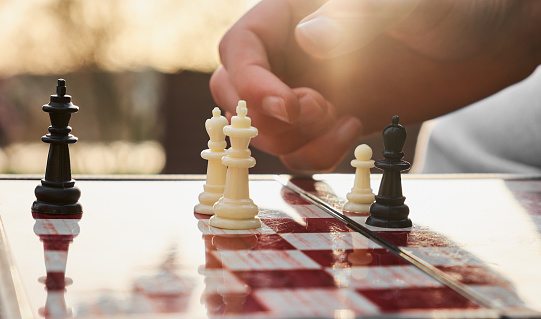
{"x":57,"y":193}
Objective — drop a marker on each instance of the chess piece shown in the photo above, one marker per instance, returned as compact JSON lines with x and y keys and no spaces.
{"x":389,"y":209}
{"x":235,"y":210}
{"x":216,"y":171}
{"x":57,"y":193}
{"x":361,"y":197}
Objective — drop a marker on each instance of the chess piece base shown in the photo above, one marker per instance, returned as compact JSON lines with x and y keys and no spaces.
{"x":203,"y":209}
{"x":356,"y":207}
{"x":389,"y":212}
{"x":227,"y":223}
{"x":359,"y":202}
{"x":208,"y":198}
{"x":66,"y":209}
{"x":376,"y":222}
{"x":237,"y":209}
{"x":57,"y":200}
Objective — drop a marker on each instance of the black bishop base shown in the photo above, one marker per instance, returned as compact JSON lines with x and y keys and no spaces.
{"x":389,"y":210}
{"x":57,"y":193}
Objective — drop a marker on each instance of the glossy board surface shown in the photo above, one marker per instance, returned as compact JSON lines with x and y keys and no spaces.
{"x":139,"y":250}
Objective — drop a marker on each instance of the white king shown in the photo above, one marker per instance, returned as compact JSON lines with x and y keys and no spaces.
{"x":235,"y":210}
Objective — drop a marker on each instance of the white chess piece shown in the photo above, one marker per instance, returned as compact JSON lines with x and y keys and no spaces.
{"x":235,"y":210}
{"x":361,"y":197}
{"x":215,"y":182}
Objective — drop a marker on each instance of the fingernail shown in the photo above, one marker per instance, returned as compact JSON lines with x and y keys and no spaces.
{"x":322,"y":32}
{"x":276,"y":107}
{"x":311,"y":110}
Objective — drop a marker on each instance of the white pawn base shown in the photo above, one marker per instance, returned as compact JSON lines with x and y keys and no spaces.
{"x":235,"y":214}
{"x":357,"y":208}
{"x":237,"y":224}
{"x":208,"y":198}
{"x":359,"y":203}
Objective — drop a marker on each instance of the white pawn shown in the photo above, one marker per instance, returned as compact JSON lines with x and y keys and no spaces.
{"x":361,"y":197}
{"x":236,"y":210}
{"x":215,"y":182}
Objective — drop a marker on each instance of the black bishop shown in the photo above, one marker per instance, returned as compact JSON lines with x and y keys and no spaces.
{"x":389,"y":210}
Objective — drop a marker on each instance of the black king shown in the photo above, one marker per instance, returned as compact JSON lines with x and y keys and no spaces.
{"x":57,"y":193}
{"x":389,"y":209}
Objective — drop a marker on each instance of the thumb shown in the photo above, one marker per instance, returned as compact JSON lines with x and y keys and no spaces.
{"x":342,"y":26}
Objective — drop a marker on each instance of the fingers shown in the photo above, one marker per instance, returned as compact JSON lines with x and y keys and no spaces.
{"x":250,"y":52}
{"x":261,"y":89}
{"x":258,"y":61}
{"x":313,"y":107}
{"x":294,"y":138}
{"x":327,"y":151}
{"x":278,"y":138}
{"x":222,"y":89}
{"x":317,"y":116}
{"x":343,"y":26}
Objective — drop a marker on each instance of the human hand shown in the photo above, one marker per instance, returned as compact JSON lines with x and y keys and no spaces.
{"x":416,"y":58}
{"x":295,"y":122}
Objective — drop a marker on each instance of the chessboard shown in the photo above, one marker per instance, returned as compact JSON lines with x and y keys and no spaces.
{"x":139,"y":250}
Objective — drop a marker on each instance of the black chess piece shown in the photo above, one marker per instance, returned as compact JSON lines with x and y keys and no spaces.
{"x":57,"y":193}
{"x":389,"y":209}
